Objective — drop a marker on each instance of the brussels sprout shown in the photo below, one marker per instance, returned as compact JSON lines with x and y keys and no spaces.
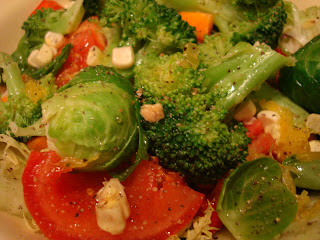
{"x":254,"y":203}
{"x":92,"y":121}
{"x":302,"y":82}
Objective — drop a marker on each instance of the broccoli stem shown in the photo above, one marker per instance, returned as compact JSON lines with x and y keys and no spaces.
{"x":245,"y":69}
{"x":11,"y":75}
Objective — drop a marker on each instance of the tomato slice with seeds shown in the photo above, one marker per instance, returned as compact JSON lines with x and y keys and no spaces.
{"x":63,"y":203}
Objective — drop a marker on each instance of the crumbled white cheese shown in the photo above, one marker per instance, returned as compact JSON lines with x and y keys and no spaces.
{"x":112,"y":207}
{"x":123,"y":57}
{"x":40,"y":58}
{"x":54,"y":40}
{"x":65,"y":3}
{"x":245,"y":111}
{"x":152,"y":112}
{"x":314,"y":145}
{"x":270,"y":121}
{"x":313,"y":123}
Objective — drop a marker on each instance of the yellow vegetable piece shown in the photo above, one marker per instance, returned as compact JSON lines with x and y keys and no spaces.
{"x":33,"y":89}
{"x":292,"y":140}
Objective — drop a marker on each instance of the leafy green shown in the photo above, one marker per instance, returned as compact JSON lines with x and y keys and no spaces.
{"x":305,"y":171}
{"x":301,"y":27}
{"x":254,"y":203}
{"x":301,"y":82}
{"x":13,"y":159}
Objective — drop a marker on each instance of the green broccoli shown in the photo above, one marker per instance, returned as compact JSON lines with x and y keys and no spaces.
{"x":93,"y":7}
{"x":197,"y":137}
{"x":147,"y":27}
{"x":36,"y":27}
{"x":248,"y":20}
{"x":19,"y":109}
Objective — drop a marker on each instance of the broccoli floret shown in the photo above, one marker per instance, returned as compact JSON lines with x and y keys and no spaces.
{"x":147,"y":26}
{"x":193,"y":139}
{"x":248,"y":20}
{"x":93,"y":7}
{"x":168,"y":75}
{"x":198,"y":90}
{"x":19,"y":108}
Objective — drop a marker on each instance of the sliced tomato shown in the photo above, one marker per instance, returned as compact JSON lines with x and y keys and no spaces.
{"x":87,"y":35}
{"x":63,"y":203}
{"x":262,"y":144}
{"x":45,"y":4}
{"x":254,"y":129}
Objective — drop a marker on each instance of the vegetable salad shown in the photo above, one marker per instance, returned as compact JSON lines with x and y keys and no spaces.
{"x":161,"y":119}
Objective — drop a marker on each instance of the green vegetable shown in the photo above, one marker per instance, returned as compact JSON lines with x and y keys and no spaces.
{"x":93,"y":120}
{"x":301,"y":83}
{"x":36,"y":27}
{"x":147,"y":27}
{"x":19,"y":109}
{"x":301,"y":27}
{"x":93,"y":7}
{"x":254,"y":203}
{"x":13,"y":158}
{"x":242,"y":70}
{"x":246,"y":20}
{"x":197,"y":89}
{"x":266,"y":92}
{"x":54,"y":66}
{"x":306,"y":169}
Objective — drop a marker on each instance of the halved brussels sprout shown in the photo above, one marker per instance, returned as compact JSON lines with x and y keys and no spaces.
{"x":92,"y":122}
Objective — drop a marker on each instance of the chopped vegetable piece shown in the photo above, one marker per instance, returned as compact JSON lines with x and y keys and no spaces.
{"x":37,"y":143}
{"x":62,"y":203}
{"x":203,"y":22}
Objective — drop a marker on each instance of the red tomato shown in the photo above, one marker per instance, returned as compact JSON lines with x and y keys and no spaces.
{"x":262,"y":144}
{"x":254,"y":129}
{"x":213,"y":199}
{"x":47,"y":4}
{"x":88,"y":34}
{"x":63,"y":203}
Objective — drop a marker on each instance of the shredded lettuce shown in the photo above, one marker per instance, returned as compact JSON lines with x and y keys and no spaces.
{"x":199,"y":228}
{"x":13,"y":156}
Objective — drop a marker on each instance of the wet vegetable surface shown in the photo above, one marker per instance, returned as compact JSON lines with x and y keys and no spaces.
{"x":254,"y":204}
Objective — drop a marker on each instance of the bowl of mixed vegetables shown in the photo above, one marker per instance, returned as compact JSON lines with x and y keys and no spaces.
{"x":161,"y":119}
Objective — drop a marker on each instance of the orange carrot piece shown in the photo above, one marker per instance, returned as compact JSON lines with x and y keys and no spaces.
{"x":37,"y":143}
{"x":4,"y":98}
{"x":203,"y":22}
